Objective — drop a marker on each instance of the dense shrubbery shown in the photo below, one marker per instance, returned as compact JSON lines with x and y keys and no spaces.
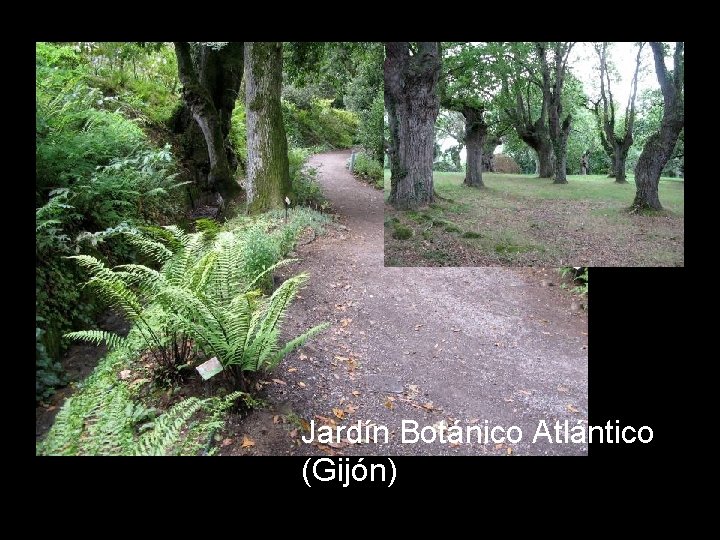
{"x":320,"y":125}
{"x":369,"y":169}
{"x":95,"y":170}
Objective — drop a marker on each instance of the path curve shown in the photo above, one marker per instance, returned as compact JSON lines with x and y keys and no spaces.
{"x":425,"y":344}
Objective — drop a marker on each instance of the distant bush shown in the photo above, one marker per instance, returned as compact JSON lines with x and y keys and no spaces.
{"x":369,"y":169}
{"x":505,"y":164}
{"x":306,"y":190}
{"x":321,"y":124}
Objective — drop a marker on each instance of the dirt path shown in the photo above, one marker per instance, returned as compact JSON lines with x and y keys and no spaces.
{"x":423,"y":344}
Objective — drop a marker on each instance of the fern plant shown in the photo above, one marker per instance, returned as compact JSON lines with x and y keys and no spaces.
{"x":102,"y":418}
{"x":202,"y":296}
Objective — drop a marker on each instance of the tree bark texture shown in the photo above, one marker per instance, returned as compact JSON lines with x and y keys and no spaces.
{"x":412,"y":105}
{"x":475,"y":132}
{"x":268,"y":174}
{"x":211,"y":82}
{"x":660,"y":145}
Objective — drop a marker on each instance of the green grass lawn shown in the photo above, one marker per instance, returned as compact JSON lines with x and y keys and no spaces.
{"x":525,"y":220}
{"x":591,"y":187}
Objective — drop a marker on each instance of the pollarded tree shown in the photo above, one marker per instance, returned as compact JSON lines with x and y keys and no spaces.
{"x":268,"y":174}
{"x":660,"y":145}
{"x":525,"y":104}
{"x":553,"y":71}
{"x":615,"y":144}
{"x":211,"y":74}
{"x":411,"y":75}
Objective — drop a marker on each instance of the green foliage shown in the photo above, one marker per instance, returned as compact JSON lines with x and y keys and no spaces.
{"x":105,"y":418}
{"x":320,"y":125}
{"x":48,"y":372}
{"x":401,"y":232}
{"x":96,"y":171}
{"x":306,"y":190}
{"x":579,"y":275}
{"x":206,"y":293}
{"x":238,"y":133}
{"x":369,"y":169}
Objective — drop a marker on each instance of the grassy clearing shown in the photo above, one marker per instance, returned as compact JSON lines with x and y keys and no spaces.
{"x":524,"y":220}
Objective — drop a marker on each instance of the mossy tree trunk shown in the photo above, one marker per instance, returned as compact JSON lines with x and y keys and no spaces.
{"x":211,"y":80}
{"x":660,"y":145}
{"x":412,"y":104}
{"x":268,"y":173}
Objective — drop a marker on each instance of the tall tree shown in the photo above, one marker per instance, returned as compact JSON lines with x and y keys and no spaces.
{"x":268,"y":174}
{"x":211,"y":74}
{"x":526,"y":105}
{"x":617,"y":145}
{"x":660,"y":145}
{"x":468,"y":86}
{"x":411,"y":100}
{"x":553,"y":79}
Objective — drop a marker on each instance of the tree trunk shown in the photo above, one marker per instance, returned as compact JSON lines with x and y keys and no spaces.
{"x":475,"y":131}
{"x":488,"y":158}
{"x":211,"y":81}
{"x":268,"y":174}
{"x":412,"y":104}
{"x":546,"y":158}
{"x":660,"y":145}
{"x":620,"y":153}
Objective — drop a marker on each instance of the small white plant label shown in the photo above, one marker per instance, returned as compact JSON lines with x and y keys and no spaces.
{"x":210,"y":368}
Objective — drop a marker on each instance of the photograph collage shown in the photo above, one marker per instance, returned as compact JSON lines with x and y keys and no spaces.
{"x":343,"y":253}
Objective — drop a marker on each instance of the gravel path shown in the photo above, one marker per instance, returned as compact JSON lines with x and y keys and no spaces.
{"x":433,"y":345}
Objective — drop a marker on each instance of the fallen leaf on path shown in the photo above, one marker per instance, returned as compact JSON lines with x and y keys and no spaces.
{"x":355,"y":392}
{"x":247,"y":442}
{"x":227,"y":442}
{"x":345,"y":322}
{"x":292,"y":370}
{"x":294,"y":433}
{"x":389,"y":402}
{"x":325,"y":448}
{"x":325,"y":420}
{"x":301,"y":384}
{"x":339,"y":413}
{"x":455,"y":329}
{"x":304,"y":424}
{"x":277,"y":419}
{"x":350,"y":409}
{"x":571,"y":409}
{"x":524,"y":392}
{"x":303,"y":356}
{"x":562,"y":388}
{"x":509,"y":451}
{"x":428,"y":406}
{"x":279,"y":381}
